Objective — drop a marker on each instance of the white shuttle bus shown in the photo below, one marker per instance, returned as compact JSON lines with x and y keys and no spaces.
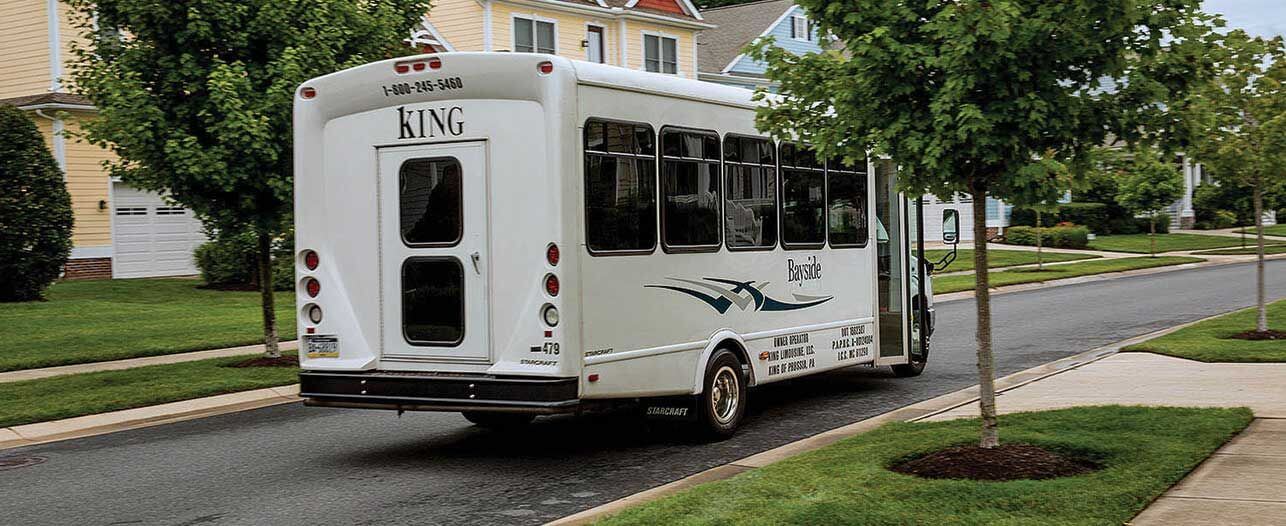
{"x":509,"y":235}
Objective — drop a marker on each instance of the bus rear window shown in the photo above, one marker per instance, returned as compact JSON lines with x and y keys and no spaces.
{"x":620,"y":187}
{"x":430,"y":200}
{"x":433,"y":301}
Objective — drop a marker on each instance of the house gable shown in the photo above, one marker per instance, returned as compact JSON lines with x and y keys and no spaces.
{"x":782,"y":32}
{"x":669,"y":6}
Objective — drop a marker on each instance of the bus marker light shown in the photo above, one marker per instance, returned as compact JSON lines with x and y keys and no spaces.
{"x":311,"y":330}
{"x":545,"y":67}
{"x":418,"y":66}
{"x":549,"y":334}
{"x":307,"y":92}
{"x":401,"y":68}
{"x":435,"y":63}
{"x":763,"y":355}
{"x":593,"y":377}
{"x":552,"y":255}
{"x":551,"y":285}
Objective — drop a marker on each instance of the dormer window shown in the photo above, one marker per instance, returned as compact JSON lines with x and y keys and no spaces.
{"x":660,"y":54}
{"x":799,"y":29}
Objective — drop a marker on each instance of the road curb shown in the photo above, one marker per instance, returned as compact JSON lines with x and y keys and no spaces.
{"x":911,"y":413}
{"x":1217,"y":261}
{"x":90,"y":425}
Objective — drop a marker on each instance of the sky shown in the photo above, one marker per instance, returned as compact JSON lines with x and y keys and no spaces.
{"x":1258,"y":17}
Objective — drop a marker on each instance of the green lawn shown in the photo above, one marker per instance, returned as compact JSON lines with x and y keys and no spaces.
{"x":1248,"y":251}
{"x":1274,"y":230}
{"x":83,"y":394}
{"x":90,"y":321}
{"x":1138,"y":243}
{"x":999,"y":258}
{"x":945,"y":284}
{"x":1143,"y":452}
{"x":1209,"y":340}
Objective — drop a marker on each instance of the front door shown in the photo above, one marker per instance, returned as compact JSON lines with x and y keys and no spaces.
{"x":892,"y":285}
{"x":433,"y":239}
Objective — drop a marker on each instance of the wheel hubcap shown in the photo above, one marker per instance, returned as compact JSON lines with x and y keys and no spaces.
{"x":724,"y":394}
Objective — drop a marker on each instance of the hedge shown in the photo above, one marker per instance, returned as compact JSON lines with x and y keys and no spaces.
{"x":1100,"y":218}
{"x":35,"y":210}
{"x":1053,"y":237}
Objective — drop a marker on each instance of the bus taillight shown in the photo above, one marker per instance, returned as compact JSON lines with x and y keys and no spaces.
{"x":308,"y":92}
{"x":311,"y":260}
{"x":552,"y":254}
{"x":545,"y":67}
{"x":551,"y":285}
{"x":312,"y":286}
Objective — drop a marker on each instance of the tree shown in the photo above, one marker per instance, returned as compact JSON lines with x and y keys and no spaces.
{"x":195,"y":97}
{"x":1242,"y":121}
{"x":989,"y":97}
{"x":35,"y":210}
{"x":1147,"y":187}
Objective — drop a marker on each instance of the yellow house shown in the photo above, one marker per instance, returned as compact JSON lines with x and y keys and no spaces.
{"x":649,"y":35}
{"x":119,"y":231}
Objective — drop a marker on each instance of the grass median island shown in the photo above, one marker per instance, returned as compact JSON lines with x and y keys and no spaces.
{"x":957,"y":283}
{"x":1142,"y":452}
{"x":84,"y":394}
{"x":1138,"y":243}
{"x":93,"y":321}
{"x":1212,"y":341}
{"x":997,"y":258}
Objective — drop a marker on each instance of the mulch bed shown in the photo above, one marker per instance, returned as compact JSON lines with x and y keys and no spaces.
{"x":1007,"y":462}
{"x":263,"y":361}
{"x":1260,"y":336}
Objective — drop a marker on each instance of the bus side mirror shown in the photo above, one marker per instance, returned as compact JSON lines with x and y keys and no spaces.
{"x":950,"y":226}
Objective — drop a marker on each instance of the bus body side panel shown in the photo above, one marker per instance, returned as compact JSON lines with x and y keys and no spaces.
{"x":648,"y":320}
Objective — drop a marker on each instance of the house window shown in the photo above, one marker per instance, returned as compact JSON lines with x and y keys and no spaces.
{"x":799,"y":28}
{"x":594,"y":44}
{"x":660,"y":54}
{"x":533,"y":36}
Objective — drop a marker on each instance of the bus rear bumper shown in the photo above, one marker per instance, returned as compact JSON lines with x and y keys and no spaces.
{"x":404,"y":391}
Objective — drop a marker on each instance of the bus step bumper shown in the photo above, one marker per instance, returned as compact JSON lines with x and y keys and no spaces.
{"x":432,"y":392}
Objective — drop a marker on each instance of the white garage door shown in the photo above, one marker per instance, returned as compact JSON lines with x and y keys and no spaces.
{"x":150,"y":236}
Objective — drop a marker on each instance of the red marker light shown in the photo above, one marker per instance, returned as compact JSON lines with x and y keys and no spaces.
{"x":311,"y":330}
{"x":551,"y":285}
{"x":545,"y":67}
{"x":593,"y":377}
{"x":307,"y":92}
{"x":552,"y":255}
{"x":401,"y":68}
{"x":311,"y":260}
{"x":418,"y":66}
{"x":435,"y":63}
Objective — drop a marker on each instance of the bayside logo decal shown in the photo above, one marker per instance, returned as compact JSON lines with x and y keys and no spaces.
{"x":742,"y":294}
{"x":430,"y":122}
{"x":799,"y":273}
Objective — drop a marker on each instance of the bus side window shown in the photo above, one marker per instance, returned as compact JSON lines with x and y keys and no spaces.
{"x":846,"y":203}
{"x":750,"y":186}
{"x":803,"y":198}
{"x":690,"y":190}
{"x":620,"y":187}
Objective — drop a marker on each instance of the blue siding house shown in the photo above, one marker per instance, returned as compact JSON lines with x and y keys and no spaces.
{"x":719,"y":51}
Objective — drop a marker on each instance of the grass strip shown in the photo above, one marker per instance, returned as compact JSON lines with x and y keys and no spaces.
{"x":945,"y":284}
{"x":1138,"y":243}
{"x":1143,"y":451}
{"x":1000,"y":258}
{"x":89,"y":393}
{"x":1248,"y":251}
{"x":1209,"y":341}
{"x":1274,"y":230}
{"x":94,"y":321}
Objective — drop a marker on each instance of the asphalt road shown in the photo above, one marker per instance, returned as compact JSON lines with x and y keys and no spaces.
{"x":297,"y":465}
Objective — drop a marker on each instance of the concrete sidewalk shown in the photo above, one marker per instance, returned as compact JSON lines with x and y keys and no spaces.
{"x":130,"y":363}
{"x":1243,"y":483}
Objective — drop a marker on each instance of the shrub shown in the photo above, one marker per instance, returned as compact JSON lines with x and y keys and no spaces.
{"x":1054,"y":237}
{"x":35,"y":210}
{"x":229,"y":260}
{"x":1093,"y":215}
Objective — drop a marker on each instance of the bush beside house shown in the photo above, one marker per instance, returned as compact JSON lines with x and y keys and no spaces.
{"x":35,"y":210}
{"x":1061,"y":236}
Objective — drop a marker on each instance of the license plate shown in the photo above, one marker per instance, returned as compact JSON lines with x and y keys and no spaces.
{"x":321,"y":346}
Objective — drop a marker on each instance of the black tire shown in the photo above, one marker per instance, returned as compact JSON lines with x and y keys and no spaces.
{"x":908,"y":370}
{"x":720,"y":415}
{"x":491,"y":420}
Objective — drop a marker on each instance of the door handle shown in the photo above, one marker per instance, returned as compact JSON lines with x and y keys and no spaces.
{"x":476,"y":257}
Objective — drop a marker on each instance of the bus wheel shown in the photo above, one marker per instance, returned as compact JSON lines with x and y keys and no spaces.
{"x":722,"y":402}
{"x":498,"y":420}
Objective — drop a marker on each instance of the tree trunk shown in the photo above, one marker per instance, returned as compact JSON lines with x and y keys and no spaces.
{"x":1261,"y":323}
{"x":982,"y":297}
{"x":1040,"y":260}
{"x":1152,"y":235}
{"x":271,"y":350}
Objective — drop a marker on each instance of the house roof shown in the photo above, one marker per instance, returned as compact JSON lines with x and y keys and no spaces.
{"x":738,"y":26}
{"x":68,"y":99}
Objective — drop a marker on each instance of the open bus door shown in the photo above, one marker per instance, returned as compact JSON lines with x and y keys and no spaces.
{"x":901,"y":283}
